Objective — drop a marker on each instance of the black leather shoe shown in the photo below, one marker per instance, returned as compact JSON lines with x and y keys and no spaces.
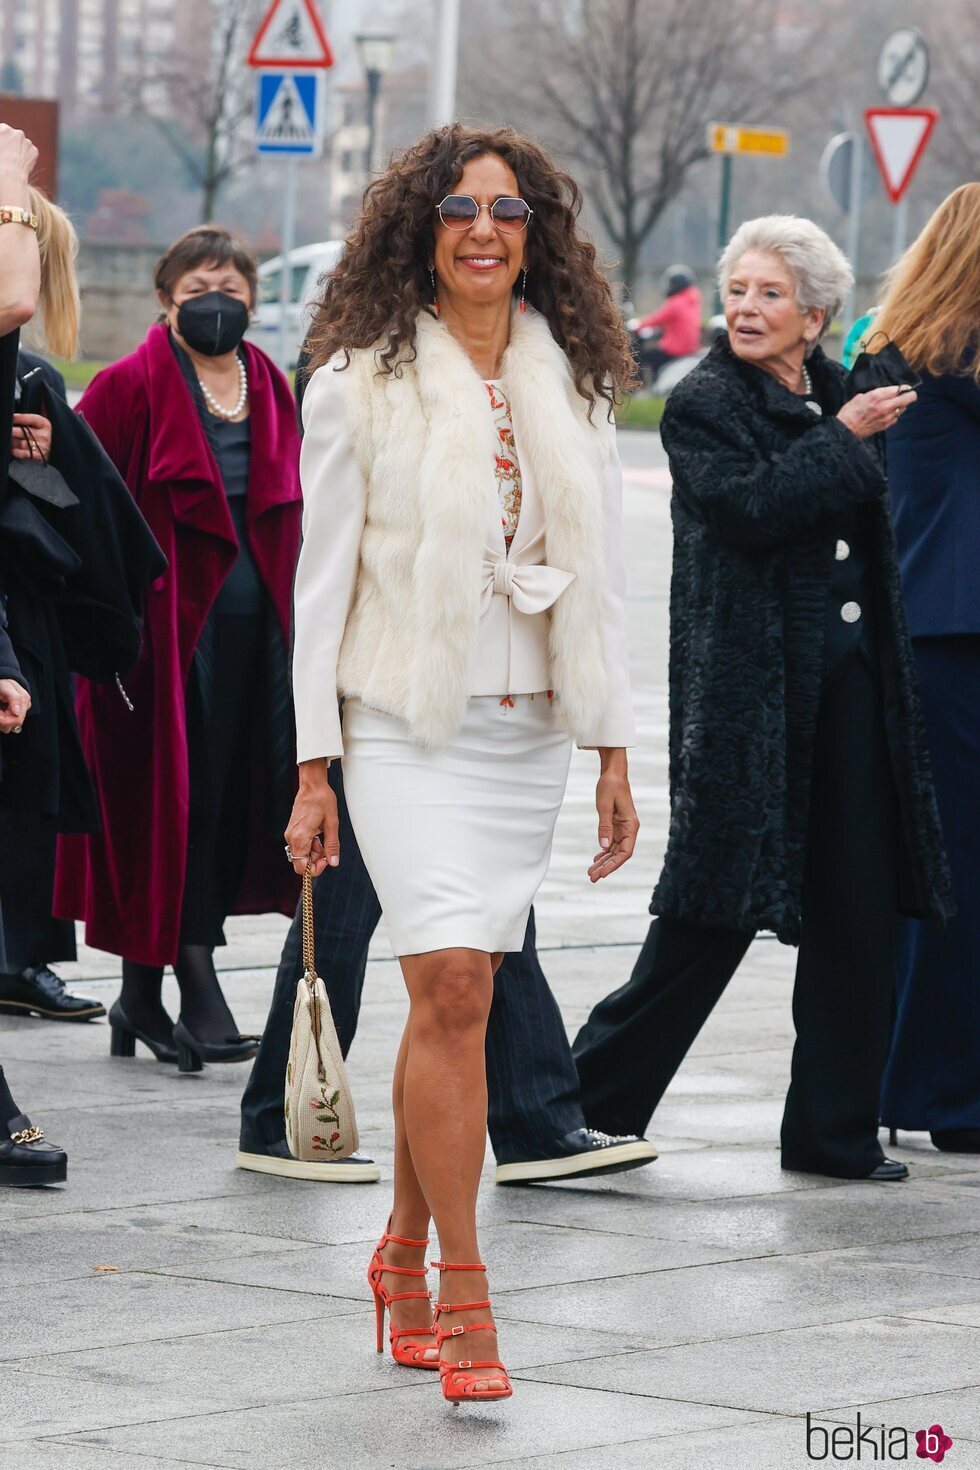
{"x":38,"y":991}
{"x":276,"y":1159}
{"x":957,"y":1140}
{"x":888,"y":1170}
{"x":125,"y":1035}
{"x":25,"y":1157}
{"x":192,"y":1054}
{"x":580,"y":1155}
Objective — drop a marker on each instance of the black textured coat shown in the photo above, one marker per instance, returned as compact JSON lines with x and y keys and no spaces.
{"x":758,"y":481}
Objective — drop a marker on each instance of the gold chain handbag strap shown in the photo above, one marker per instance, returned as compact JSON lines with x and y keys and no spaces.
{"x":309,"y":956}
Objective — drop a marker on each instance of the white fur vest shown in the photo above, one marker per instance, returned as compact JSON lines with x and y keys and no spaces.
{"x":426,"y":443}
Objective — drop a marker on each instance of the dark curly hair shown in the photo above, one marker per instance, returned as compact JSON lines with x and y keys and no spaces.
{"x":381,"y":282}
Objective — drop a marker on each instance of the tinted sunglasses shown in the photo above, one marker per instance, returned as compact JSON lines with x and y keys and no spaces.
{"x":461,"y":212}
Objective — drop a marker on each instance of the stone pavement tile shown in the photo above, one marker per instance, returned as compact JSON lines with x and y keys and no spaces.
{"x":957,"y":1410}
{"x":135,"y":1307}
{"x":68,"y":1246}
{"x":945,"y":1255}
{"x":243,"y":1368}
{"x":295,"y":1209}
{"x":831,"y":1365}
{"x":763,"y":1444}
{"x":410,"y":1428}
{"x":53,"y":1454}
{"x":966,"y":1315}
{"x":731,"y":1299}
{"x":804,"y":1220}
{"x":517,"y":1255}
{"x":728,"y":1173}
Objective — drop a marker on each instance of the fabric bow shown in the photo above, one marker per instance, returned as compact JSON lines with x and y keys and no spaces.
{"x":530,"y":589}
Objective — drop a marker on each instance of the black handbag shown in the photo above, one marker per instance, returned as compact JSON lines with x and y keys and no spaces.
{"x":884,"y":369}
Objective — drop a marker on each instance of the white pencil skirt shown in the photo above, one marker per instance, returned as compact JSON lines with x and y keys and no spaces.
{"x":457,"y":840}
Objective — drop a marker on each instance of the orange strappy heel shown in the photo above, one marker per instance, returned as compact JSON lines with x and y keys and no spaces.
{"x":461,"y":1381}
{"x":410,"y":1354}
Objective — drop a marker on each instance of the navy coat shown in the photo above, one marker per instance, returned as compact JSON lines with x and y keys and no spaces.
{"x":934,"y":483}
{"x":759,"y":484}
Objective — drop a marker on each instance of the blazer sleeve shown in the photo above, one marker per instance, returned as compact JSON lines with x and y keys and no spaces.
{"x":334,"y":511}
{"x":617,"y":726}
{"x":753,"y":499}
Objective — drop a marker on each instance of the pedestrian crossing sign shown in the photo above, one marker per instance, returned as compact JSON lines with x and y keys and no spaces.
{"x":287,"y":118}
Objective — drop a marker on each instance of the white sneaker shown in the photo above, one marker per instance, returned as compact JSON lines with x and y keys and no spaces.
{"x":355,"y":1169}
{"x":581,"y":1154}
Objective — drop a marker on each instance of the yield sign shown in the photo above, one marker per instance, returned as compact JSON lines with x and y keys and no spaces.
{"x":290,"y":35}
{"x":898,"y":137}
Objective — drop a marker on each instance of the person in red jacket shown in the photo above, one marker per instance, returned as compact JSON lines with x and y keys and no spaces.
{"x":192,"y":760}
{"x":678,"y":321}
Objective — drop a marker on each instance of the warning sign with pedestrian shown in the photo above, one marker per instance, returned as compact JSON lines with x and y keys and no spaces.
{"x":291,"y":35}
{"x":287,"y":117}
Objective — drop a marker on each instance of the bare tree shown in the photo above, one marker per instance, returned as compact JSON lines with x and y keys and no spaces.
{"x":626,"y":89}
{"x":956,"y":60}
{"x":202,"y":98}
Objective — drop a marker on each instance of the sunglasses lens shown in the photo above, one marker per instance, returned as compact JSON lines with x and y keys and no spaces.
{"x":458,"y":211}
{"x":510,"y":215}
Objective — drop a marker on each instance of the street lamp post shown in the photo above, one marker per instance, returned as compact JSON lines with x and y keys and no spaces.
{"x":376,"y":53}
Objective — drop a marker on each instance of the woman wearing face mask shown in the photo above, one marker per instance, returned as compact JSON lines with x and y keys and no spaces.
{"x":193,"y":761}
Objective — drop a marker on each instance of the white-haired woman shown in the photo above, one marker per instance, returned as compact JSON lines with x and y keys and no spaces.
{"x":801,"y":799}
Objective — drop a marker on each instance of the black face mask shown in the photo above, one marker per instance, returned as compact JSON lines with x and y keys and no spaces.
{"x":886,"y":368}
{"x":212,"y":324}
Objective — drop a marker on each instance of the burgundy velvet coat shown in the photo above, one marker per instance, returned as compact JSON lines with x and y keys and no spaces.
{"x":127,"y":880}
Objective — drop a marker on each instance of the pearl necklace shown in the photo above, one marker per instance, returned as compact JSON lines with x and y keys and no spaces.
{"x":215,"y":406}
{"x":811,"y":404}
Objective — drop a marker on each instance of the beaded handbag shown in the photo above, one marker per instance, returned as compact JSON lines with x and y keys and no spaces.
{"x":320,"y":1122}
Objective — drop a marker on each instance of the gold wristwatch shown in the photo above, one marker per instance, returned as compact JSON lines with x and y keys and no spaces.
{"x":12,"y":214}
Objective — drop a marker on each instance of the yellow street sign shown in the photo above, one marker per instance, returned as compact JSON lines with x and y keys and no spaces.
{"x":727,"y":138}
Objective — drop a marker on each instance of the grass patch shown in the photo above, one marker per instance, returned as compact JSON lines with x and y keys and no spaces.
{"x":77,"y":374}
{"x":641,"y":412}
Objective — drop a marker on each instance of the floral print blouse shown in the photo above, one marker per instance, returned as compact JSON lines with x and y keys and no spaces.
{"x":507,"y":469}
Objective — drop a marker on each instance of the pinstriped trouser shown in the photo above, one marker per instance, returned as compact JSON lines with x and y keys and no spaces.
{"x":531,"y":1075}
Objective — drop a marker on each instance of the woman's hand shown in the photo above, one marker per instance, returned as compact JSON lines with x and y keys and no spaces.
{"x":872,"y":413}
{"x":18,"y":157}
{"x":14,"y":704}
{"x":313,"y":834}
{"x":28,"y":427}
{"x":618,"y":822}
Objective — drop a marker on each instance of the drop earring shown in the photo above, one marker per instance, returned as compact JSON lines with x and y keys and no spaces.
{"x":523,"y":302}
{"x":435,"y":298}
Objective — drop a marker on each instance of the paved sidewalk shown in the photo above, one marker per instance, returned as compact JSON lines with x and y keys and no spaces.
{"x":164,"y":1309}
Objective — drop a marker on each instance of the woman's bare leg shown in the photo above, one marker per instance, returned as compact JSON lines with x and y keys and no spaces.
{"x":410,"y":1212}
{"x":445,"y":1116}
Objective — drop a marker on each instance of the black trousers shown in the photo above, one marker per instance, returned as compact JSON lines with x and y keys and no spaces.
{"x":932,"y":1080}
{"x":635,"y":1040}
{"x":221,"y":698}
{"x":531,"y":1076}
{"x":27,"y":853}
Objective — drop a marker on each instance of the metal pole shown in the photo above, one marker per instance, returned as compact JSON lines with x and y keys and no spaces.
{"x":901,"y":227}
{"x":854,"y":201}
{"x":724,"y":212}
{"x":288,"y":242}
{"x":373,"y":88}
{"x":445,"y":58}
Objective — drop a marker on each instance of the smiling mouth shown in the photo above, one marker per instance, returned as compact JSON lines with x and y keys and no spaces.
{"x":480,"y":262}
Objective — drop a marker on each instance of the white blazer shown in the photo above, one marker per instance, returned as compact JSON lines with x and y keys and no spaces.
{"x":406,"y":597}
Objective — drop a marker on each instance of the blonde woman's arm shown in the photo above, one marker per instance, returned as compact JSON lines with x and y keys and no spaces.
{"x":20,"y":267}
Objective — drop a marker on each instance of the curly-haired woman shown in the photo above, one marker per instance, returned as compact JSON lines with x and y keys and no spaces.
{"x":461,"y":586}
